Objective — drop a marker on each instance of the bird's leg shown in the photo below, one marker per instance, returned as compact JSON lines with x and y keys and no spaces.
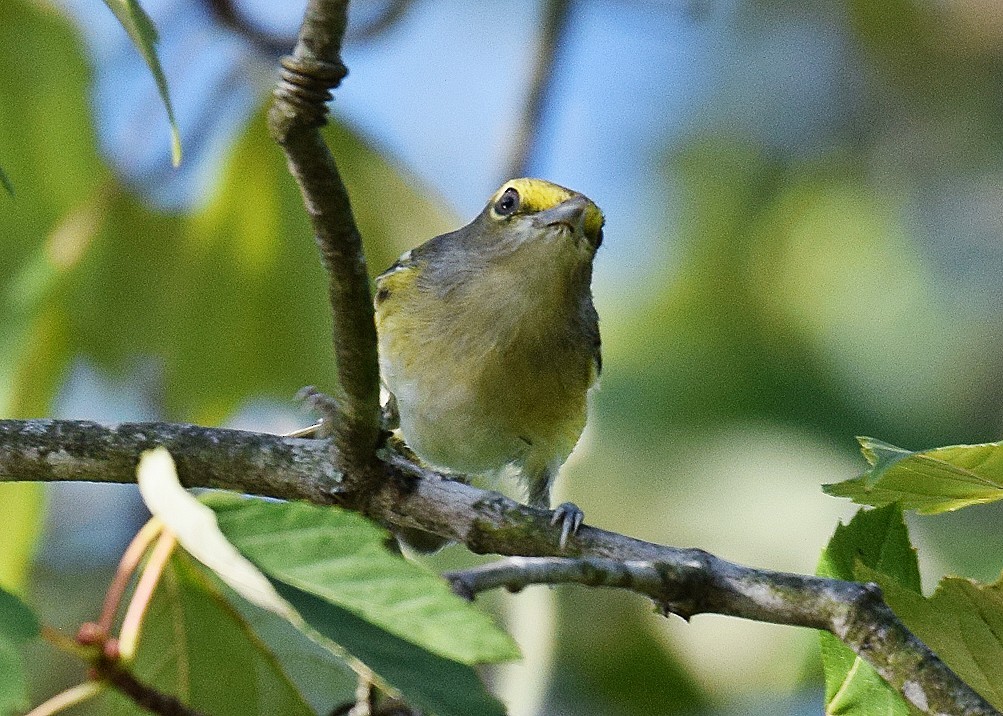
{"x":567,"y":514}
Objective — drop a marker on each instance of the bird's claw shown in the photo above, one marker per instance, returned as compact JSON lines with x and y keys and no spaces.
{"x":390,"y":418}
{"x":323,"y":404}
{"x":570,"y":517}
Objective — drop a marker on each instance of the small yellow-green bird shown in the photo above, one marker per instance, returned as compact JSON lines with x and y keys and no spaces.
{"x":489,"y":341}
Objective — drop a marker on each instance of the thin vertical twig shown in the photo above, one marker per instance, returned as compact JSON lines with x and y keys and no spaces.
{"x":298,"y":111}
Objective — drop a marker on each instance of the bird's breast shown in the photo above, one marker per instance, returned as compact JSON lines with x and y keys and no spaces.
{"x":478,"y":389}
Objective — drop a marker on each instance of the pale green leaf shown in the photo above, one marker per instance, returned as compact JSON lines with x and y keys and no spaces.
{"x":340,"y":557}
{"x":877,"y":538}
{"x":195,"y":527}
{"x":929,"y":481}
{"x":23,"y":513}
{"x":144,"y":36}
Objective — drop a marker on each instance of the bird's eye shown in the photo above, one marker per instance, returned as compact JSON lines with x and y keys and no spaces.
{"x":508,"y":203}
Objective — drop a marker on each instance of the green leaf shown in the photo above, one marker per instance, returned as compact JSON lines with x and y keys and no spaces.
{"x":877,"y":539}
{"x":195,"y":527}
{"x":438,"y":685}
{"x":18,"y":624}
{"x":340,"y":557}
{"x":929,"y":481}
{"x":195,"y":646}
{"x":144,"y":36}
{"x":321,"y":674}
{"x":962,"y":622}
{"x":324,"y":674}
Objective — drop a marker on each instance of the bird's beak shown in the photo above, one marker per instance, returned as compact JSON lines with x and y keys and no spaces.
{"x":570,"y":213}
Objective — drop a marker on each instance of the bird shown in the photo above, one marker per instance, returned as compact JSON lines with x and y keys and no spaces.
{"x":489,"y":339}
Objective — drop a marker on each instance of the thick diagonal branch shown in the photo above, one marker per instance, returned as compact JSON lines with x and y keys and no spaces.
{"x":682,"y":581}
{"x":298,"y":110}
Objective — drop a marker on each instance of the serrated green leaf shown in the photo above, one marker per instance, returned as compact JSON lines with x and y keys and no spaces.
{"x":928,"y":481}
{"x":860,"y":691}
{"x":340,"y":557}
{"x":18,"y":624}
{"x":195,"y":646}
{"x":878,"y":539}
{"x":426,"y":680}
{"x":962,"y":622}
{"x":144,"y":36}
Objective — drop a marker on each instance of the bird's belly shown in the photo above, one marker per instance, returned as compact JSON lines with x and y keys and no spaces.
{"x":478,"y":424}
{"x":448,"y":427}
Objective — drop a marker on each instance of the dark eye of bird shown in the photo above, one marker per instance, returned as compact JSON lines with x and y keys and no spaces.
{"x":508,"y":204}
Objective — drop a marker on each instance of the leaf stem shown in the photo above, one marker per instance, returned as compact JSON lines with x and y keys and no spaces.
{"x":132,"y":622}
{"x":73,"y":696}
{"x":127,"y":566}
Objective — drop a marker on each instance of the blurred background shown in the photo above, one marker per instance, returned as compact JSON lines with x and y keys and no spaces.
{"x":804,"y":207}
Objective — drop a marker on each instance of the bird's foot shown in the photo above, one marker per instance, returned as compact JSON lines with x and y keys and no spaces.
{"x":323,"y":404}
{"x":570,"y":517}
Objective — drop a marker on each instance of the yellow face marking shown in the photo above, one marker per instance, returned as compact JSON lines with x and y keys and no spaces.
{"x":539,"y":195}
